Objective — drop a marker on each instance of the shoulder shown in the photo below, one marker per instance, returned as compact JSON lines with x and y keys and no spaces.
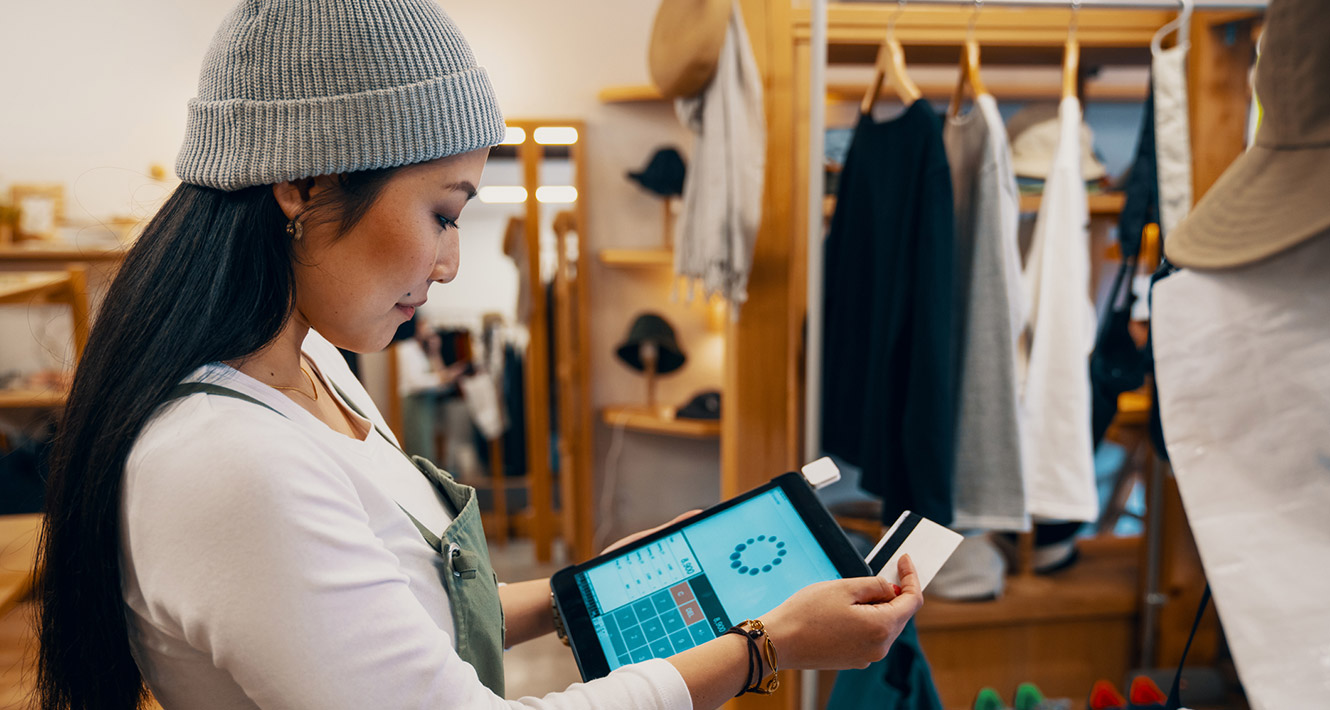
{"x":218,"y":453}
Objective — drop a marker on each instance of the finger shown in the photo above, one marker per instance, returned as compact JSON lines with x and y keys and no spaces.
{"x":683,"y":516}
{"x":909,"y":576}
{"x":869,"y":590}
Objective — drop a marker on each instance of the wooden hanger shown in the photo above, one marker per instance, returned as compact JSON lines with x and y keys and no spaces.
{"x":891,"y":66}
{"x":1071,"y":56}
{"x":969,"y":69}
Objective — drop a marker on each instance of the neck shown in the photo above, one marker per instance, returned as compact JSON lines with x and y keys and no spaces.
{"x":279,"y":362}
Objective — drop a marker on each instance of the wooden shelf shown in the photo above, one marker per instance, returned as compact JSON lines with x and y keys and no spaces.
{"x":629,"y":94}
{"x":644,"y":420}
{"x":32,"y":399}
{"x":1102,"y":584}
{"x":61,"y":253}
{"x":24,"y":287}
{"x":1102,"y":204}
{"x":636,"y":258}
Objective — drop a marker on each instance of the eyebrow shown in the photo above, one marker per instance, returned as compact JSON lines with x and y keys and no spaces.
{"x":464,"y":186}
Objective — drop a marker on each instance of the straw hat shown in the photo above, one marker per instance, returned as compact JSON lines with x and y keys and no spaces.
{"x":1273,"y":197}
{"x":1035,"y":131}
{"x":685,"y":44}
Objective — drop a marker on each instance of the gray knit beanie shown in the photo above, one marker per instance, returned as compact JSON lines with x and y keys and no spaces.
{"x":299,"y":88}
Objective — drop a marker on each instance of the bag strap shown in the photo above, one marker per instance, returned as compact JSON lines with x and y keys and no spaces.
{"x":1174,"y":693}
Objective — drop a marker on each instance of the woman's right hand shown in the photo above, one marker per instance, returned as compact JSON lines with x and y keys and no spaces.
{"x":843,"y":623}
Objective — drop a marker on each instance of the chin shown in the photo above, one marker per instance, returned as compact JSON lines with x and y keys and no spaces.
{"x":363,"y":343}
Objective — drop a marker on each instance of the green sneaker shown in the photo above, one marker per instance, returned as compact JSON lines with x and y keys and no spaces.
{"x":988,"y":699}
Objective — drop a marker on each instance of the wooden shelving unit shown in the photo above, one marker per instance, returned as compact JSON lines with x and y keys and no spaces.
{"x":636,"y":258}
{"x":651,"y":422}
{"x":629,"y":94}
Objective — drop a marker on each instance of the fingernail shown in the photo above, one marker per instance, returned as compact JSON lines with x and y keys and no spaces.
{"x":896,"y":588}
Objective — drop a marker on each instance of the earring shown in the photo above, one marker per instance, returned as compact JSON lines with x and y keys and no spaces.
{"x":294,"y":229}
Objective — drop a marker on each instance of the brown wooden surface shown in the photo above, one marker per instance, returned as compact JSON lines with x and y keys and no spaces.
{"x":536,"y":362}
{"x":55,"y":253}
{"x":636,"y":258}
{"x":18,"y":553}
{"x":759,"y":428}
{"x":32,"y":399}
{"x":652,"y":421}
{"x":580,"y":489}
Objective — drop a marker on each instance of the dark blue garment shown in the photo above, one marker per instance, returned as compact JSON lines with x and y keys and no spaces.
{"x":901,"y":681}
{"x":889,"y":345}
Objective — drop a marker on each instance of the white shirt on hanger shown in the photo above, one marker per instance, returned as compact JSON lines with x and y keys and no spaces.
{"x":1058,"y":451}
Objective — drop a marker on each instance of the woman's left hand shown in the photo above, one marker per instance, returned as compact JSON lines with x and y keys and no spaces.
{"x":639,"y":535}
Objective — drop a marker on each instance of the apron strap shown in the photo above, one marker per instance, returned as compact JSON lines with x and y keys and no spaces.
{"x":185,"y":389}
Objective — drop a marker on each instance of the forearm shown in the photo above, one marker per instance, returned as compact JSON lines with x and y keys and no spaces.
{"x":526,"y":610}
{"x":715,"y":671}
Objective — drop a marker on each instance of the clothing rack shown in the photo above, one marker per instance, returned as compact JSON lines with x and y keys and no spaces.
{"x":799,"y":42}
{"x":817,"y":86}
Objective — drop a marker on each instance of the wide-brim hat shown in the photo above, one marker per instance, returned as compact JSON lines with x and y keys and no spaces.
{"x":1273,"y":197}
{"x":1035,"y":131}
{"x":686,"y":41}
{"x":652,"y":328}
{"x":663,"y":174}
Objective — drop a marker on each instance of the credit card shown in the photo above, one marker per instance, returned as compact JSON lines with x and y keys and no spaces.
{"x":928,"y":544}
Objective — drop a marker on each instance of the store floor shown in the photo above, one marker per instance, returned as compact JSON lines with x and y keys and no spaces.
{"x":533,"y":668}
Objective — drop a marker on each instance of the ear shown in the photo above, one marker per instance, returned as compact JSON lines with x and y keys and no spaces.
{"x":293,"y":196}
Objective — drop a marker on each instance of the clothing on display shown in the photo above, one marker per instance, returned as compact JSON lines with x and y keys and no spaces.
{"x":1036,"y":134}
{"x":722,"y":196}
{"x":1058,"y":452}
{"x":1242,"y":356}
{"x":889,"y":373}
{"x":1117,"y":365}
{"x":663,"y":174}
{"x":989,"y":491}
{"x":901,"y":681}
{"x":652,"y":329}
{"x":1168,"y":74}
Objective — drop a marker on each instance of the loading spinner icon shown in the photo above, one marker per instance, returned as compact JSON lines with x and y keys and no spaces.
{"x":757,"y":555}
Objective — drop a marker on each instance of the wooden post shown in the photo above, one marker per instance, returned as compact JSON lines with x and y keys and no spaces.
{"x":539,"y":478}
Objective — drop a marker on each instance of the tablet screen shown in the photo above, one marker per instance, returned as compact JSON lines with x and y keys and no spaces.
{"x":689,"y":587}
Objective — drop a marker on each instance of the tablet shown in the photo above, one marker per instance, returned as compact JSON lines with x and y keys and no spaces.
{"x":686,"y":584}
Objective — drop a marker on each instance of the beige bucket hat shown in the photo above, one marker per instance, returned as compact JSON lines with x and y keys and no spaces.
{"x":686,"y":41}
{"x":1277,"y":194}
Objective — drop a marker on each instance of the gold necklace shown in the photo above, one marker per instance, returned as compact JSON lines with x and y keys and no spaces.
{"x":297,"y":389}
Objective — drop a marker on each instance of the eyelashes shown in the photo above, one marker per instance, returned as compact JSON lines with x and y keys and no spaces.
{"x":445,"y":222}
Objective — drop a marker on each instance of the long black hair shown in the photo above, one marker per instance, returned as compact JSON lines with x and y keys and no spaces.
{"x":210,"y":279}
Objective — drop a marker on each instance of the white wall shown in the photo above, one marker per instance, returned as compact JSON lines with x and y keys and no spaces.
{"x":95,"y":93}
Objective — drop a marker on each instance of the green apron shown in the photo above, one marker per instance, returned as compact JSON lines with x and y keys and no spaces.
{"x":472,"y":586}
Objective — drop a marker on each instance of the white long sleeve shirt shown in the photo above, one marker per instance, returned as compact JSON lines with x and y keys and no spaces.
{"x":266,"y":564}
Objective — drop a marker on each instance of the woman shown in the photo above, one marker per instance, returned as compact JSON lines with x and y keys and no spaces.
{"x":227,"y":522}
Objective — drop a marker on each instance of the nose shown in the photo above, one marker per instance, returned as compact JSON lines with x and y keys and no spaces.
{"x":447,"y":259}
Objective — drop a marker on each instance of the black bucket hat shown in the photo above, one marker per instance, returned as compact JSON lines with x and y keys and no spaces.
{"x":703,"y":405}
{"x":652,"y":328}
{"x":663,"y":174}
